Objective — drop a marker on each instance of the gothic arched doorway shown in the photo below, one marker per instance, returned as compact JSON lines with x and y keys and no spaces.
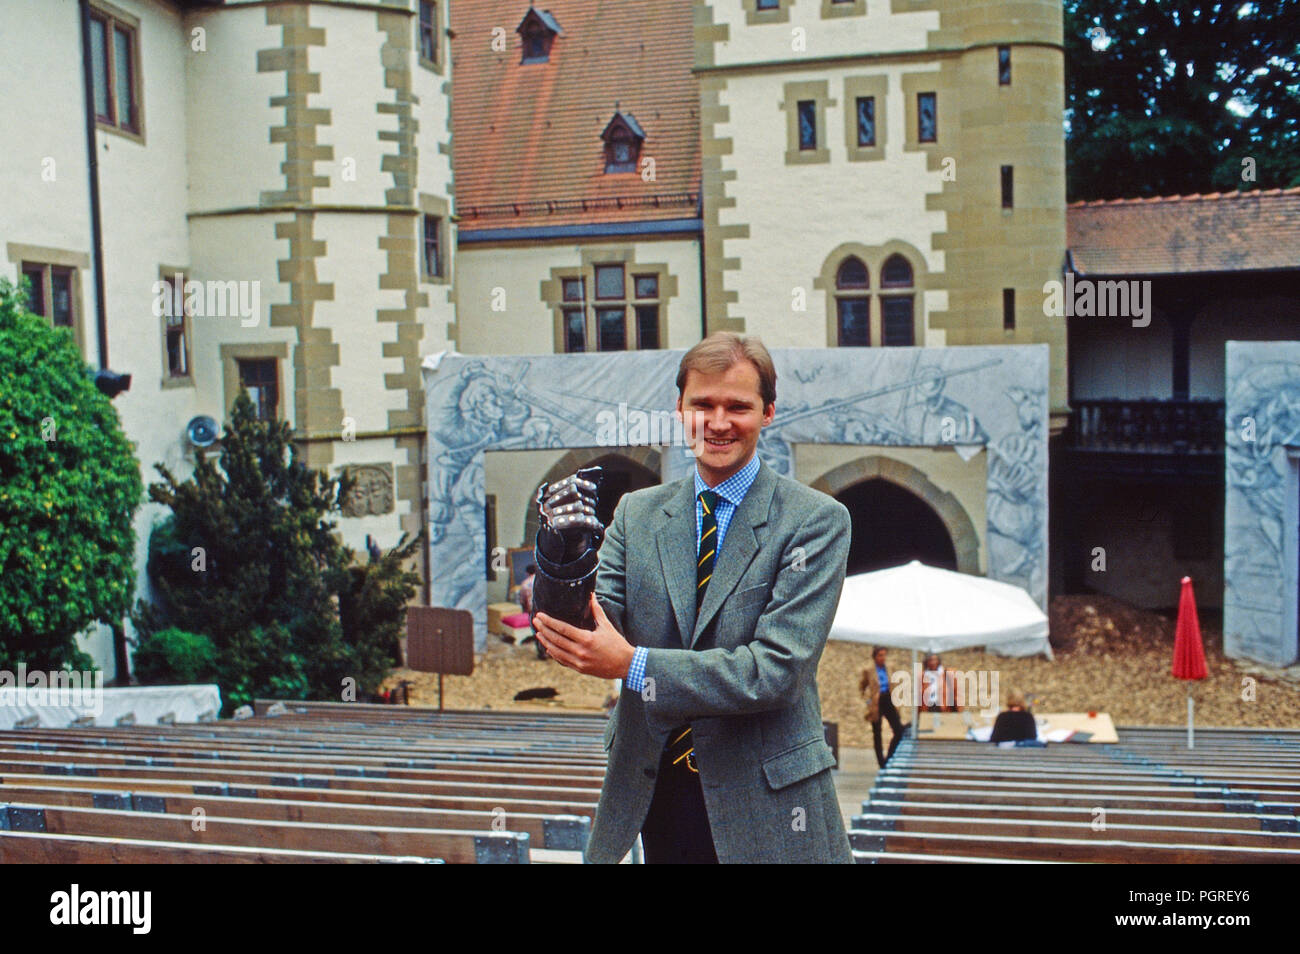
{"x":891,"y":526}
{"x":638,"y":469}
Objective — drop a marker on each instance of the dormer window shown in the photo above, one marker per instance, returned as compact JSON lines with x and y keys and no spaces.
{"x":538,"y":31}
{"x":623,"y":137}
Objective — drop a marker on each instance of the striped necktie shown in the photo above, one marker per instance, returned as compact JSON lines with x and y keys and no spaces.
{"x":681,"y":746}
{"x":708,"y":550}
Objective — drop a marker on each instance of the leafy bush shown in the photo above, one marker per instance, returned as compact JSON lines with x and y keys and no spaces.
{"x":372,"y":600}
{"x":175,"y":656}
{"x":69,"y":488}
{"x":248,"y":557}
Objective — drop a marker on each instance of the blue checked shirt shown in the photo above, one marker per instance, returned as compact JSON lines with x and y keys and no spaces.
{"x":730,"y":493}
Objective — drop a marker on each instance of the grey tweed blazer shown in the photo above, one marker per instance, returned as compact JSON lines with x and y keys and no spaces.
{"x":741,"y":671}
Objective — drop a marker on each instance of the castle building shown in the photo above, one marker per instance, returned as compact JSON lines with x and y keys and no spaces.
{"x":319,"y":200}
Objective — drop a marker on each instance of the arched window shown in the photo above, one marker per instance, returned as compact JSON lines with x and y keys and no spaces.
{"x":896,"y":272}
{"x":853,"y":303}
{"x":897,"y":308}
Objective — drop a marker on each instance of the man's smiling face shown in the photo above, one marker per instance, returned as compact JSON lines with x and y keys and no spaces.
{"x":723,"y":414}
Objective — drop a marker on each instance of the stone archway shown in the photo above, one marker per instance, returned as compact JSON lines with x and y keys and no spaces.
{"x":642,"y":462}
{"x":960,"y":528}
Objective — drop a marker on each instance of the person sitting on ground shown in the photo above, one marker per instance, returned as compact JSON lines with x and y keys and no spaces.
{"x":1016,"y":724}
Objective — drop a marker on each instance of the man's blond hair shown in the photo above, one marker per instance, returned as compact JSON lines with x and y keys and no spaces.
{"x":720,"y":350}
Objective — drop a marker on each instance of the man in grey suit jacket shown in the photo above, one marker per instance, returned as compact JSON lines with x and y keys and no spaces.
{"x":738,"y":670}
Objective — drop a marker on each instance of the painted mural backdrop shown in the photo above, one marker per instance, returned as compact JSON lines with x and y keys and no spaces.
{"x":1262,"y":494}
{"x":971,"y":398}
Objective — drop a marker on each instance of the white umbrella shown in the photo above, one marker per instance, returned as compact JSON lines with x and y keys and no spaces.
{"x":926,"y":609}
{"x":930,"y":610}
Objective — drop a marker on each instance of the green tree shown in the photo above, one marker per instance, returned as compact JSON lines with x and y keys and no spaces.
{"x":248,"y":557}
{"x":69,"y":489}
{"x":1175,"y":97}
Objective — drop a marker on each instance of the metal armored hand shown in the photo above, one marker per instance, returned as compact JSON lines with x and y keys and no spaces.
{"x":566,"y":550}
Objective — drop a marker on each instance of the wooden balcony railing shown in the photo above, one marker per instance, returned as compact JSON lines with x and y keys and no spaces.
{"x":1147,"y":427}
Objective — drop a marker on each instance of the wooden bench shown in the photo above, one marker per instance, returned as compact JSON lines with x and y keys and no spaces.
{"x":549,"y":831}
{"x":1103,"y":850}
{"x":1234,"y":799}
{"x":457,"y":847}
{"x":39,"y":848}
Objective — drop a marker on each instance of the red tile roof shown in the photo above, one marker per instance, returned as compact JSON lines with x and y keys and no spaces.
{"x":526,"y":143}
{"x":1221,"y":232}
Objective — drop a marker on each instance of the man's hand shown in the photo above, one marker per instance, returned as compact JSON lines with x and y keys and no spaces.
{"x":599,"y":652}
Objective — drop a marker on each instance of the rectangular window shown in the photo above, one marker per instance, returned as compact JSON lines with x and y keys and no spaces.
{"x":896,"y":322}
{"x":99,"y":68}
{"x":1008,"y":309}
{"x":1004,"y":66}
{"x":927,"y":117}
{"x":61,"y":314}
{"x":1007,"y":190}
{"x":611,"y":330}
{"x":115,"y":72}
{"x":647,"y":286}
{"x":428,"y":34}
{"x":854,"y":322}
{"x":609,"y":282}
{"x":35,"y":274}
{"x":647,"y":327}
{"x":573,"y":290}
{"x":260,"y":378}
{"x":866,"y":120}
{"x":807,"y":124}
{"x":176,"y":322}
{"x":432,"y":247}
{"x":54,"y":295}
{"x":123,"y":73}
{"x":575,"y":330}
{"x":768,"y":4}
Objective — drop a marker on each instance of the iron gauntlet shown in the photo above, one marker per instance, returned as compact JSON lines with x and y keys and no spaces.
{"x":566,"y":549}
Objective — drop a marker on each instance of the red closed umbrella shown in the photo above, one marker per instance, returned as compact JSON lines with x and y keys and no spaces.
{"x":1189,"y":651}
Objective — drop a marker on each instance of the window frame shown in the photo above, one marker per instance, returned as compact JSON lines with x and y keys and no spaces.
{"x":565,"y":313}
{"x":636,"y":308}
{"x":170,"y":380}
{"x":642,"y":306}
{"x":858,"y":101}
{"x":810,"y":106}
{"x":430,"y":29}
{"x":920,"y":117}
{"x":885,"y":301}
{"x":814,"y":97}
{"x":894,"y":283}
{"x":76,"y":313}
{"x":840,"y":302}
{"x":535,"y":32}
{"x":622,"y":268}
{"x":855,"y":293}
{"x":600,"y":311}
{"x":232,"y":354}
{"x":115,"y":20}
{"x":275,"y":382}
{"x":618,"y":136}
{"x":775,"y":11}
{"x":433,"y":238}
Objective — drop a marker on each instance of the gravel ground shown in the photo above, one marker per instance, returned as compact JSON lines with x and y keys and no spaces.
{"x":1109,"y":656}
